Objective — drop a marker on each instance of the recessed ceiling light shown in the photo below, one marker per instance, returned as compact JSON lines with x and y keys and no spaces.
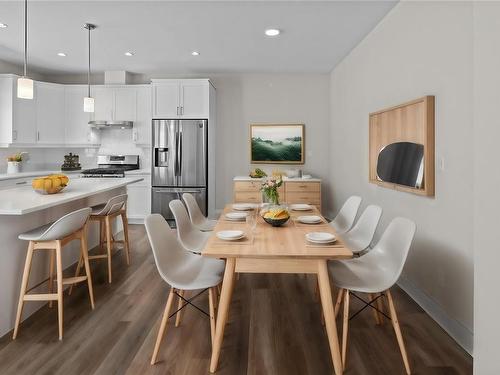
{"x":128,"y":53}
{"x":273,"y":32}
{"x":195,"y":53}
{"x":62,"y":54}
{"x":3,"y":25}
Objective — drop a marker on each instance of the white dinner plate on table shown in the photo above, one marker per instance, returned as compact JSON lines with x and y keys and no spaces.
{"x":320,"y":237}
{"x":230,"y":235}
{"x":243,"y":206}
{"x":236,"y":216}
{"x":301,"y":207}
{"x":309,"y":219}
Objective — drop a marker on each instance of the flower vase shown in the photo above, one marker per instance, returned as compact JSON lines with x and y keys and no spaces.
{"x":13,"y":167}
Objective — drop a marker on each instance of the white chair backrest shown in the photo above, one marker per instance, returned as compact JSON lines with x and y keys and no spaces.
{"x":194,"y":211}
{"x":66,"y":225}
{"x":389,"y":255}
{"x":364,"y":229}
{"x":190,"y":237}
{"x":347,"y":214}
{"x":114,"y":205}
{"x":167,"y":250}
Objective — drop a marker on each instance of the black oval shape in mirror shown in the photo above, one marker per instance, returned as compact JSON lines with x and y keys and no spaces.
{"x":401,"y":163}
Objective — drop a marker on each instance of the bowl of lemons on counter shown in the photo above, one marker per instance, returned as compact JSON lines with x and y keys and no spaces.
{"x":51,"y":184}
{"x":276,"y":216}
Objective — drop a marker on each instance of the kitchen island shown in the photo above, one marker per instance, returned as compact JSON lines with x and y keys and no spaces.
{"x":23,"y":209}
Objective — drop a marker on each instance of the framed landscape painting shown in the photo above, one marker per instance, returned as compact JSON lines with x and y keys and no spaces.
{"x":277,"y":143}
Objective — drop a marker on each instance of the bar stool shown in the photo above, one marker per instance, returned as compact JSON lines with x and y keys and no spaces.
{"x":104,"y":214}
{"x":53,"y":237}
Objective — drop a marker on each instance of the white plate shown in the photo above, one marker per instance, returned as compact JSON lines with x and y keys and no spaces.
{"x":243,"y":206}
{"x":320,"y":237}
{"x":301,"y":207}
{"x":236,"y":216}
{"x":230,"y":235}
{"x":310,"y":219}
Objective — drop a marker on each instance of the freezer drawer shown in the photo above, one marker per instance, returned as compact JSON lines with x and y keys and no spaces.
{"x":161,"y":197}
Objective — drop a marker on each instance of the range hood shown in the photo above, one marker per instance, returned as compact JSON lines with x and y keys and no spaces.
{"x":111,"y":124}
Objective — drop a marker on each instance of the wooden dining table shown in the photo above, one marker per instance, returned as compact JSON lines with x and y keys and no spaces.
{"x":275,"y":250}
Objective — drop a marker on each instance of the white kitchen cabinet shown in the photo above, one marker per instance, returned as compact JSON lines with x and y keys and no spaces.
{"x":186,"y":98}
{"x":103,"y":103}
{"x":143,"y":124}
{"x":50,"y":113}
{"x":115,"y":103}
{"x":139,"y":200}
{"x":76,"y":121}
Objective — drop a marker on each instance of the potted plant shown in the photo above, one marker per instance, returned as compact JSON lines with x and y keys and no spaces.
{"x":269,"y":189}
{"x":14,"y":162}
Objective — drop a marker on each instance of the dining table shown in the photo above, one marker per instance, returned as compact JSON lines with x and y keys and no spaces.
{"x":277,"y":250}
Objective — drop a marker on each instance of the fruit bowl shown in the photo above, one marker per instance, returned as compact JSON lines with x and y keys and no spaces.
{"x":276,"y":222}
{"x":276,"y":216}
{"x":51,"y":184}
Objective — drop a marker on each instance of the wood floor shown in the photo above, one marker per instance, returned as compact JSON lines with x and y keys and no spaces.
{"x":273,"y":328}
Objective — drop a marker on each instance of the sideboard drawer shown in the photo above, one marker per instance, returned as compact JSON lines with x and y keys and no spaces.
{"x":302,"y":186}
{"x":305,"y":197}
{"x":247,"y":197}
{"x":247,"y":185}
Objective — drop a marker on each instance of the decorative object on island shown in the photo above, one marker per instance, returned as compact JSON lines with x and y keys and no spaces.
{"x":277,"y":143}
{"x":71,"y":163}
{"x":51,"y":184}
{"x":14,"y":162}
{"x":270,"y":190}
{"x":401,"y":140}
{"x":276,"y":216}
{"x":257,"y":173}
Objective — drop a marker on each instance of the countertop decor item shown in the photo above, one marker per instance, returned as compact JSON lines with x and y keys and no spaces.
{"x":257,"y":173}
{"x":14,"y":162}
{"x":270,"y":190}
{"x":277,"y":143}
{"x":51,"y":184}
{"x":71,"y":163}
{"x":276,"y":216}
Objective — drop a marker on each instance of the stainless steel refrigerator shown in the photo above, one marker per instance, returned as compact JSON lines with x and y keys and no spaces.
{"x":179,"y":163}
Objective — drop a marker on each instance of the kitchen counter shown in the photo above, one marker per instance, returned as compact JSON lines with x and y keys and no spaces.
{"x":299,"y":179}
{"x":12,"y":176}
{"x":138,"y":172}
{"x":24,"y":200}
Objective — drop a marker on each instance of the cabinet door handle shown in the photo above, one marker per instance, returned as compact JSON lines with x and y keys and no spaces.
{"x":14,"y":135}
{"x":37,"y":136}
{"x":182,"y":110}
{"x":177,"y":111}
{"x":21,"y":183}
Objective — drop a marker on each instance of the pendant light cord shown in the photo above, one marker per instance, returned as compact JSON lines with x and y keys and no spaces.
{"x":88,"y":71}
{"x":25,"y":36}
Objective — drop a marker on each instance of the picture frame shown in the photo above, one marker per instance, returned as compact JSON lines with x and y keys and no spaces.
{"x":277,"y":143}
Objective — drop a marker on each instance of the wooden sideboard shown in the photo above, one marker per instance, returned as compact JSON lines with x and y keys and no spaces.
{"x":247,"y":190}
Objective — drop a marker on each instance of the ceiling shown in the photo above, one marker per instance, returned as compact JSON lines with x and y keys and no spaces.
{"x":162,"y":34}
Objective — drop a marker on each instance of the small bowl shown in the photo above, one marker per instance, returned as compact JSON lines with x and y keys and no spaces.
{"x":276,"y":222}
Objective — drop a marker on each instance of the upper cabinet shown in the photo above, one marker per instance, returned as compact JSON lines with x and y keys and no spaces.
{"x":76,"y":121}
{"x":187,"y":98}
{"x":142,"y":126}
{"x":115,"y":103}
{"x":49,"y":113}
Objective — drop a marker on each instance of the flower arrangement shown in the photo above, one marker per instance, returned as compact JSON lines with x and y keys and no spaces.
{"x":17,"y":157}
{"x":270,"y":187}
{"x":14,"y":162}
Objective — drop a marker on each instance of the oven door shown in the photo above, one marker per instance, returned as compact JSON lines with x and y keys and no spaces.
{"x":161,"y":197}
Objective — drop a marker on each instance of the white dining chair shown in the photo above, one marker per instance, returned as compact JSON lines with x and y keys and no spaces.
{"x":360,"y":236}
{"x":375,"y":273}
{"x":197,"y":219}
{"x":183,"y":271}
{"x":189,"y":236}
{"x":347,"y":214}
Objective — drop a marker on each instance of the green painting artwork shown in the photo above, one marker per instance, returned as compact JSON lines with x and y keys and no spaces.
{"x":277,"y":143}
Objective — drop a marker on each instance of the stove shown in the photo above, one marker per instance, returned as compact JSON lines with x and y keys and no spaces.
{"x":112,"y":166}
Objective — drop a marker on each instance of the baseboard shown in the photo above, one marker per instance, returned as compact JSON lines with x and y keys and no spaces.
{"x":461,"y":334}
{"x":135,"y":220}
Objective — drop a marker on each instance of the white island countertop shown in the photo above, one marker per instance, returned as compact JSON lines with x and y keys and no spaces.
{"x":24,"y":200}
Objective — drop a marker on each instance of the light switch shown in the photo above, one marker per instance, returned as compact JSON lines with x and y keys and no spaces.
{"x":441,"y":163}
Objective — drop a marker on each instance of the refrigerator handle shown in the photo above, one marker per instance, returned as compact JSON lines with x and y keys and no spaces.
{"x":180,"y":153}
{"x":176,"y":161}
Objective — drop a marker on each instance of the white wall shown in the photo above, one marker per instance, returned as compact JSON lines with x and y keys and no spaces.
{"x":419,"y":48}
{"x":486,"y":185}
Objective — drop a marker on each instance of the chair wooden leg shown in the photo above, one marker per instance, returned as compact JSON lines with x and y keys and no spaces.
{"x":85,"y":256}
{"x":59,"y":288}
{"x":211,"y":305}
{"x":376,"y":314}
{"x":345,"y":327}
{"x":397,"y":330}
{"x":51,"y":274}
{"x":108,"y":243}
{"x":125,"y":237}
{"x":178,"y":318}
{"x":340,"y":294}
{"x":24,"y":286}
{"x":163,"y":325}
{"x":380,"y":306}
{"x":77,"y":273}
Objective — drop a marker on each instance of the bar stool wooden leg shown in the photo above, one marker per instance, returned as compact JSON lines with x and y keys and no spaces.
{"x":85,"y":256}
{"x":211,"y":304}
{"x":24,"y":285}
{"x":178,"y":318}
{"x":51,"y":274}
{"x":102,"y":234}
{"x":345,"y":328}
{"x":397,"y":330}
{"x":108,"y":242}
{"x":125,"y":236}
{"x":59,"y":288}
{"x":77,"y":272}
{"x":163,"y":326}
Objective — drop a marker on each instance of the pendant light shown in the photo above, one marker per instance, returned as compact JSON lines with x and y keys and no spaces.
{"x":24,"y":83}
{"x":88,"y":101}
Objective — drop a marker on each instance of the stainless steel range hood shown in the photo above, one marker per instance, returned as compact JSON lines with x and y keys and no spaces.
{"x":111,"y":124}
